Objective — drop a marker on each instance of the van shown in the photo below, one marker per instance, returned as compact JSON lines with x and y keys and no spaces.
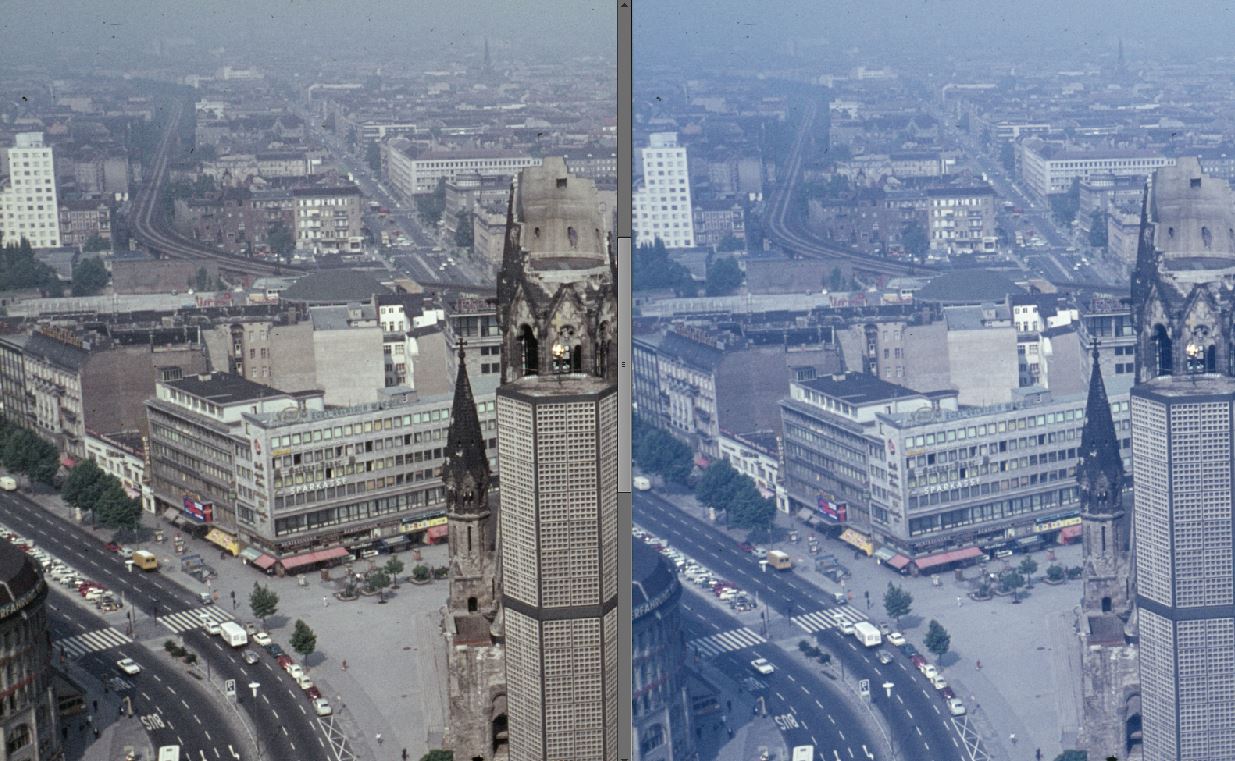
{"x":804,"y":753}
{"x":8,"y":483}
{"x":169,"y":753}
{"x":145,"y":560}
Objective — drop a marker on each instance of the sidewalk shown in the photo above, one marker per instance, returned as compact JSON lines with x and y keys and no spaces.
{"x":404,"y":698}
{"x":1029,"y":684}
{"x":102,"y":711}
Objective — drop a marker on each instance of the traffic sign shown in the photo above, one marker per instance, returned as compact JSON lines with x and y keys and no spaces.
{"x":864,"y":688}
{"x":229,"y":688}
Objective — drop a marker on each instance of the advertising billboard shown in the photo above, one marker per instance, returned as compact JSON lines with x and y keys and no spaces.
{"x":202,"y":512}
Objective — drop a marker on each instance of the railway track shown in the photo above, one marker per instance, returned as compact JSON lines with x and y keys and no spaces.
{"x":150,"y":228}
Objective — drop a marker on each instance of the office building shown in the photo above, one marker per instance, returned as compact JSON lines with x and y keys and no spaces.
{"x":557,"y":431}
{"x":1052,"y":167}
{"x":328,"y":219}
{"x":29,"y":207}
{"x":662,"y":206}
{"x":1182,"y":413}
{"x":412,"y":172}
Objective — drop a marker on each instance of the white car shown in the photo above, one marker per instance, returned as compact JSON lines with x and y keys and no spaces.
{"x":846,"y":627}
{"x":295,"y":670}
{"x":762,"y":666}
{"x":262,"y":638}
{"x":321,"y":707}
{"x":930,"y":672}
{"x":896,"y":639}
{"x":212,"y":627}
{"x":939,"y":683}
{"x":128,"y":666}
{"x":956,"y":707}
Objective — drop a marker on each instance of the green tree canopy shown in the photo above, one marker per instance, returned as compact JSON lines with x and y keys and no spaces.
{"x":731,"y":243}
{"x":897,"y":602}
{"x":96,"y":242}
{"x":83,"y":484}
{"x":463,"y":230}
{"x":19,"y":269}
{"x":23,"y":451}
{"x":724,"y":277}
{"x":373,"y":156}
{"x":653,"y":269}
{"x":263,"y":601}
{"x":1064,"y":206}
{"x":114,"y":508}
{"x":937,"y":639}
{"x":1097,"y":229}
{"x":659,"y":452}
{"x":717,"y":483}
{"x":280,"y":240}
{"x":1028,"y":567}
{"x":303,"y":640}
{"x":393,"y":567}
{"x":914,"y":239}
{"x":836,"y":280}
{"x":89,"y":277}
{"x":430,"y":206}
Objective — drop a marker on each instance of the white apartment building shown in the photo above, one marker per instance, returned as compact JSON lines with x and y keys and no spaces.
{"x":419,"y":174}
{"x":662,"y":201}
{"x":1051,"y":167}
{"x":28,"y":205}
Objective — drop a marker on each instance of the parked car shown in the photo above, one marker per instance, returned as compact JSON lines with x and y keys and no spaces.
{"x":846,"y":627}
{"x":930,"y":672}
{"x":274,"y":650}
{"x":956,"y":707}
{"x":885,"y":628}
{"x":947,"y":693}
{"x":896,"y":639}
{"x":908,"y":649}
{"x":313,"y":693}
{"x":111,"y":547}
{"x":262,"y":638}
{"x":295,"y":670}
{"x":321,"y":707}
{"x":284,"y":661}
{"x":917,"y":661}
{"x":250,"y":657}
{"x":250,"y":628}
{"x":884,"y":656}
{"x":762,"y":666}
{"x":746,"y":547}
{"x":938,"y":682}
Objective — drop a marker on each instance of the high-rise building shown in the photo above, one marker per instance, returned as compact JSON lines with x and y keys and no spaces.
{"x":662,"y":201}
{"x":1183,"y":410}
{"x":557,"y":412}
{"x":28,"y":205}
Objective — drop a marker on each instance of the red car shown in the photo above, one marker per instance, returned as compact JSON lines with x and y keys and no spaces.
{"x":918,"y":662}
{"x":947,"y":693}
{"x":111,"y":547}
{"x":313,"y":693}
{"x":284,"y":661}
{"x":746,"y":547}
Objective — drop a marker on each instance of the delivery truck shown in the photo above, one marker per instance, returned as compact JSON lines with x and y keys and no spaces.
{"x":145,"y":560}
{"x":867,"y":633}
{"x":234,"y":635}
{"x":779,"y":560}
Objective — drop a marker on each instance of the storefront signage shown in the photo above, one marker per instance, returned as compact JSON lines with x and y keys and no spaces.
{"x":422,"y":524}
{"x":837,"y":511}
{"x":202,"y":512}
{"x":1055,"y":524}
{"x":301,"y":488}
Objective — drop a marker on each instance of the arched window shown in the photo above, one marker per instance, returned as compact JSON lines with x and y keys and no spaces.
{"x":1162,"y":347}
{"x":576,"y":359}
{"x":572,"y":235}
{"x":564,"y":351}
{"x":531,"y":350}
{"x":472,"y":605}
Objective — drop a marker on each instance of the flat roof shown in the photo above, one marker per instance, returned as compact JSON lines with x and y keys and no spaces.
{"x":224,"y":388}
{"x":858,"y":388}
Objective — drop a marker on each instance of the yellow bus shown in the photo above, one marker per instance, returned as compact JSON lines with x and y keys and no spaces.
{"x":145,"y":560}
{"x":779,"y":560}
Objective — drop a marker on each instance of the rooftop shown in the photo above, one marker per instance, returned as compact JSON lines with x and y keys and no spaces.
{"x":224,"y":388}
{"x":858,"y":388}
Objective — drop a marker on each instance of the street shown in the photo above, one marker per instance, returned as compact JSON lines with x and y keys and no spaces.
{"x":794,"y":609}
{"x":159,"y":609}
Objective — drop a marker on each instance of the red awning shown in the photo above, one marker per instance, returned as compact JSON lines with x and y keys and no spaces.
{"x":264,"y":561}
{"x":1068,"y":533}
{"x":898,"y":561}
{"x":437,"y":532}
{"x":942,"y":558}
{"x":334,"y":553}
{"x":297,"y":560}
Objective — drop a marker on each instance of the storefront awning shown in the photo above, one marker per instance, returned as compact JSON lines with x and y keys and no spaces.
{"x":1068,"y":533}
{"x":251,"y":554}
{"x":885,"y":553}
{"x":898,"y":562}
{"x":221,"y":538}
{"x":334,"y":553}
{"x":859,"y":540}
{"x":943,"y":558}
{"x":1028,"y":541}
{"x":437,"y":532}
{"x":264,"y":561}
{"x":395,"y":541}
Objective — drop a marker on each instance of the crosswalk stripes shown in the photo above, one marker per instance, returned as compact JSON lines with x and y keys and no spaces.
{"x":724,"y":642}
{"x":90,"y":642}
{"x":184,"y":620}
{"x":830,"y":618}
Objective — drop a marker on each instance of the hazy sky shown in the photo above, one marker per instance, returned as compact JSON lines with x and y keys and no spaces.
{"x":386,"y":25}
{"x":885,"y":27}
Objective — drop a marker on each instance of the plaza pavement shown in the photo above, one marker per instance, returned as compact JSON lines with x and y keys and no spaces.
{"x":1029,"y":683}
{"x":395,"y":682}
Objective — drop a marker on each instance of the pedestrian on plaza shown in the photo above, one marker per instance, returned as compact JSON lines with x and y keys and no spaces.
{"x":958,"y":601}
{"x":979,"y":665}
{"x":95,"y":704}
{"x":96,"y":733}
{"x":345,"y":664}
{"x":405,"y":754}
{"x":1012,"y":737}
{"x":89,"y":718}
{"x":325,"y":601}
{"x":730,"y":732}
{"x":379,"y":738}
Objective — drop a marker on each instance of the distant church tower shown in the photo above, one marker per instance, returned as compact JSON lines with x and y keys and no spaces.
{"x":1100,"y":478}
{"x":473,"y":618}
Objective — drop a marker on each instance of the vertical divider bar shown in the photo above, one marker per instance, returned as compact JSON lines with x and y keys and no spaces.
{"x":625,"y":728}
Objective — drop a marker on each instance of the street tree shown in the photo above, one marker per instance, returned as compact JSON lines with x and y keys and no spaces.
{"x":724,"y":277}
{"x":914,"y":239}
{"x":373,"y":157}
{"x":937,"y":639}
{"x":1097,"y":229}
{"x":82,"y":484}
{"x":89,"y":277}
{"x":280,"y":240}
{"x":653,"y":269}
{"x":393,"y":568}
{"x":1011,"y":581}
{"x":96,"y":243}
{"x":263,"y":601}
{"x":1028,"y":567}
{"x":836,"y":280}
{"x":716,"y":483}
{"x":379,"y":580}
{"x":897,"y":602}
{"x":463,"y":230}
{"x":116,"y":509}
{"x":303,"y":640}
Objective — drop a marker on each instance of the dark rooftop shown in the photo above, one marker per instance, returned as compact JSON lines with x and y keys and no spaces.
{"x":57,"y":353}
{"x":224,"y":388}
{"x":968,"y":287}
{"x":17,"y":574}
{"x":691,"y":352}
{"x":337,"y":286}
{"x":650,"y":575}
{"x":858,"y":388}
